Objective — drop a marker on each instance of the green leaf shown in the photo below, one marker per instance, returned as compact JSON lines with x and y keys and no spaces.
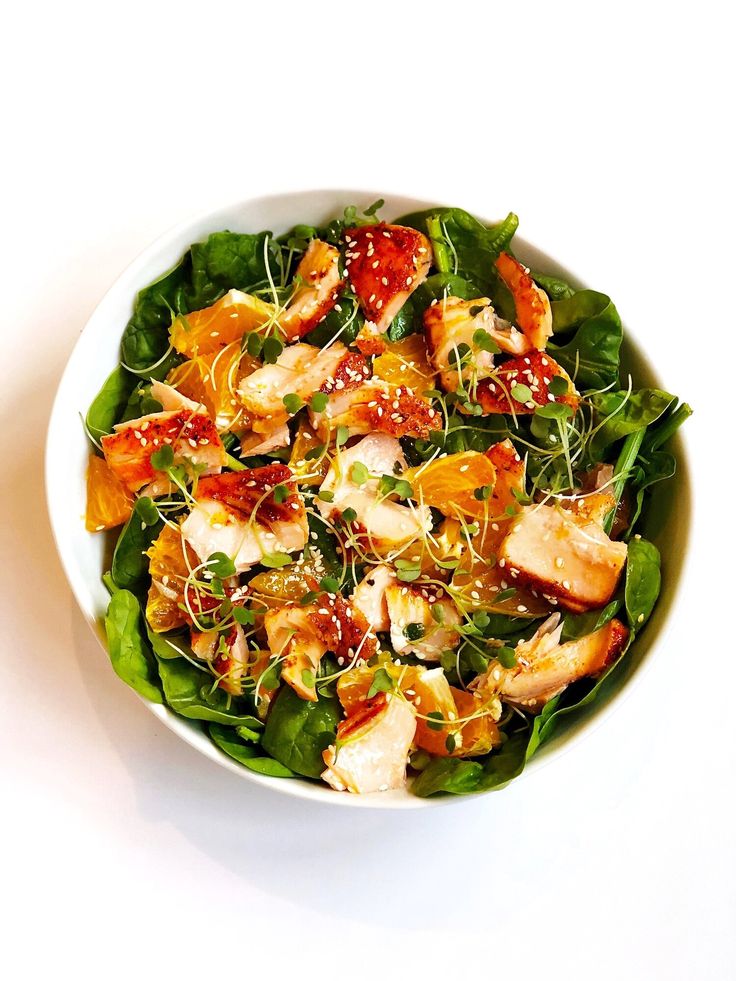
{"x":622,"y":413}
{"x":293,"y":403}
{"x":643,"y":581}
{"x":318,"y":402}
{"x":276,"y":560}
{"x":382,"y":681}
{"x":130,"y":655}
{"x":227,"y":740}
{"x":297,"y":732}
{"x":221,"y":564}
{"x":129,"y":562}
{"x":110,"y":402}
{"x":189,"y":692}
{"x":162,"y":459}
{"x":456,"y":776}
{"x":359,"y":473}
{"x":591,"y":356}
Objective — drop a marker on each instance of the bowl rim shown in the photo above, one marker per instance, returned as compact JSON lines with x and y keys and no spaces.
{"x":194,"y":736}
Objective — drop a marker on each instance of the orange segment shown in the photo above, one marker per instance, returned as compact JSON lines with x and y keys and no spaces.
{"x":288,"y":584}
{"x":405,"y":363}
{"x":169,"y":568}
{"x":109,"y":503}
{"x":306,"y":439}
{"x":449,"y":483}
{"x":213,"y":379}
{"x":478,"y":735}
{"x":209,"y":330}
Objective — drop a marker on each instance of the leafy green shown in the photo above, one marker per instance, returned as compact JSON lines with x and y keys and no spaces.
{"x":556,"y":289}
{"x":110,"y":402}
{"x":189,"y":692}
{"x":229,"y":742}
{"x":450,"y":775}
{"x":345,"y":322}
{"x":130,"y":655}
{"x":591,"y":356}
{"x":643,"y":581}
{"x":640,"y":409}
{"x":129,"y":563}
{"x":297,"y":731}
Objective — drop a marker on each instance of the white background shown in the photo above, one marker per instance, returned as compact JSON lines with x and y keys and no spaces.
{"x":608,"y":129}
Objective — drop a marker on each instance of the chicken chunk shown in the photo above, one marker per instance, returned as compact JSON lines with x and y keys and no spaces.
{"x":534,"y":371}
{"x":383,"y":525}
{"x":320,"y":285}
{"x":191,"y":435}
{"x":414,"y":629}
{"x":301,"y":636}
{"x":372,"y":747}
{"x":377,"y":407}
{"x":369,"y":596}
{"x":385,"y":264}
{"x":564,"y":556}
{"x":451,"y":322}
{"x":533,"y":310}
{"x":228,"y":654}
{"x":545,"y":667}
{"x":301,"y":369}
{"x":236,"y":513}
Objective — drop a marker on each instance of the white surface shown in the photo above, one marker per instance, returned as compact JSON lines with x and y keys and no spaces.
{"x":124,"y":850}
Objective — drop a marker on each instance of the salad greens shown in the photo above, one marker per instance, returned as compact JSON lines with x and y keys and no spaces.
{"x":326,"y":647}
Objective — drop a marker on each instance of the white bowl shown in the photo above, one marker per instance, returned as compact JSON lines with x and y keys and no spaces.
{"x":96,"y":354}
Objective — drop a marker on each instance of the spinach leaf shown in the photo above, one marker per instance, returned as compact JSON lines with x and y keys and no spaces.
{"x":226,"y":740}
{"x":335,"y":322}
{"x":591,"y":357}
{"x":651,"y":467}
{"x":410,"y":319}
{"x":129,"y":563}
{"x":140,"y":403}
{"x":298,"y":731}
{"x":129,"y":653}
{"x":643,"y":581}
{"x":205,"y":273}
{"x":556,"y":289}
{"x":326,"y":543}
{"x":640,"y":409}
{"x":109,"y":403}
{"x":581,"y":624}
{"x":189,"y":692}
{"x":450,"y":775}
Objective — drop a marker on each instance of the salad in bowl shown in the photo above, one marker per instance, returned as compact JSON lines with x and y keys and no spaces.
{"x":376,"y":491}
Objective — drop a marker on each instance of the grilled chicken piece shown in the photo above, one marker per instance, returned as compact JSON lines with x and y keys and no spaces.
{"x":208,"y":330}
{"x":321,"y":283}
{"x":382,"y":525}
{"x":253,"y":443}
{"x":535,"y":370}
{"x":369,"y":596}
{"x":171,"y":399}
{"x":564,"y":556}
{"x":413,"y":627}
{"x":236,"y":513}
{"x":510,"y":477}
{"x":301,"y":369}
{"x":545,"y":667}
{"x":301,"y":635}
{"x":228,"y":653}
{"x":376,"y":407}
{"x":372,"y":747}
{"x":533,"y":310}
{"x":451,"y":322}
{"x":191,"y":435}
{"x":385,"y":264}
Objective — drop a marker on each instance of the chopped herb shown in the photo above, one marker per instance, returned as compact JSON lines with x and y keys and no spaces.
{"x":293,"y":403}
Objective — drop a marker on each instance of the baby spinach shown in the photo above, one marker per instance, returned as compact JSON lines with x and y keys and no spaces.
{"x":297,"y":731}
{"x":130,"y":655}
{"x":129,"y":562}
{"x":556,"y":289}
{"x":228,"y":741}
{"x":640,"y":409}
{"x":643,"y":581}
{"x":189,"y":692}
{"x":450,"y":775}
{"x":110,"y":402}
{"x":591,"y":356}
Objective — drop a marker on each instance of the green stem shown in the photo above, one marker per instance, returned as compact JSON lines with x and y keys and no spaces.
{"x":670,"y":425}
{"x":442,"y":256}
{"x":109,"y":583}
{"x":233,"y":463}
{"x":626,"y":460}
